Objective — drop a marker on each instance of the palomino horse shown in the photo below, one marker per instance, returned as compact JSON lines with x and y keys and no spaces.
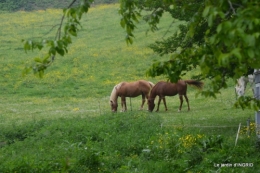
{"x":129,"y":89}
{"x":163,"y":89}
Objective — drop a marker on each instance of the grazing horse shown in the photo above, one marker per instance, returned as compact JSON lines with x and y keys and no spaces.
{"x":163,"y":89}
{"x":129,"y":89}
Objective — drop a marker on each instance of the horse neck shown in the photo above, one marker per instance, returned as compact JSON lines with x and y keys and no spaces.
{"x":114,"y":96}
{"x":152,"y":93}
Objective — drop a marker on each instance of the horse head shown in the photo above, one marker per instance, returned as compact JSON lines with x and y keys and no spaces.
{"x":241,"y":86}
{"x":240,"y":91}
{"x":114,"y":106}
{"x":151,"y":105}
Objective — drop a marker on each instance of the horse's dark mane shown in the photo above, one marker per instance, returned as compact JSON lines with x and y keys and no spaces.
{"x":151,"y":92}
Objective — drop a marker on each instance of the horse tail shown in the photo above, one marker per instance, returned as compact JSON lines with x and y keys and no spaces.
{"x":195,"y":83}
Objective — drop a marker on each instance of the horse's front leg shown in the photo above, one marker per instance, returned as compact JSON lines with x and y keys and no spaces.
{"x":123,"y":104}
{"x":164,"y":102}
{"x":159,"y":101}
{"x":143,"y":101}
{"x":181,"y":101}
{"x":147,"y":96}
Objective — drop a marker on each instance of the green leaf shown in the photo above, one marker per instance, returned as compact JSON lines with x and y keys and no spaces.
{"x":60,"y":51}
{"x":210,"y":20}
{"x":223,"y":59}
{"x":26,"y":71}
{"x":249,"y":40}
{"x":46,"y":59}
{"x":52,"y":51}
{"x":40,"y":46}
{"x":84,"y":6}
{"x":41,"y":73}
{"x":206,"y":11}
{"x":37,"y":59}
{"x":60,"y":43}
{"x":226,"y":26}
{"x":236,"y":52}
{"x":72,"y":30}
{"x":50,"y":43}
{"x":250,"y":53}
{"x":27,"y":46}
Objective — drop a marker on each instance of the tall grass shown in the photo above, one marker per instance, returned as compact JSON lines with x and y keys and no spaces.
{"x":63,"y":122}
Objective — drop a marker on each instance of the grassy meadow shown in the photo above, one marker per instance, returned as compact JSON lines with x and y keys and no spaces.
{"x":63,"y":122}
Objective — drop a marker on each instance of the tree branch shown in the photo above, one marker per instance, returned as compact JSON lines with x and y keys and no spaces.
{"x":231,"y":6}
{"x":62,"y":19}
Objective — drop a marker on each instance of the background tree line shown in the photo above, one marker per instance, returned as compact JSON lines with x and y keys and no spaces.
{"x":29,"y":5}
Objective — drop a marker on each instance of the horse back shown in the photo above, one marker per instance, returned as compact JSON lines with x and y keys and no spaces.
{"x":165,"y":89}
{"x":134,"y":89}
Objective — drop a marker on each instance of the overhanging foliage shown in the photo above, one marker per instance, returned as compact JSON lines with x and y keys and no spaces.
{"x":221,"y":38}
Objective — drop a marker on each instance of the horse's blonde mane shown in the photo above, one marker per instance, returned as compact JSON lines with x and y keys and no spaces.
{"x":113,"y":96}
{"x":152,"y":84}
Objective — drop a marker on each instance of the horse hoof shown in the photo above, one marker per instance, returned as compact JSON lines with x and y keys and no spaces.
{"x":179,"y":110}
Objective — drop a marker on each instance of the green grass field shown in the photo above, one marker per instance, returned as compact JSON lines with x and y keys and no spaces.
{"x":43,"y":120}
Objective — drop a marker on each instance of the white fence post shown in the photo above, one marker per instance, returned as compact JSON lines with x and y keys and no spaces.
{"x":257,"y":96}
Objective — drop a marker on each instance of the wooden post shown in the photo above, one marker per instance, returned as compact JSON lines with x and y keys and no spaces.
{"x":237,"y":133}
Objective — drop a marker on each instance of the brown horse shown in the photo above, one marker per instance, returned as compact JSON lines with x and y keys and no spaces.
{"x":129,"y":89}
{"x":163,"y":89}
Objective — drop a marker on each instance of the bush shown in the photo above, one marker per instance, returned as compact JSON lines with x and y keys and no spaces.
{"x":128,"y":142}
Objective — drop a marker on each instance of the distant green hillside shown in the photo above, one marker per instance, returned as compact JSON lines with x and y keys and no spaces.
{"x":28,"y":5}
{"x":98,"y":59}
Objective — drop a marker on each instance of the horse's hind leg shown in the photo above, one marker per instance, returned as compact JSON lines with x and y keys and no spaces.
{"x":181,"y":101}
{"x":187,"y":100}
{"x":164,"y":102}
